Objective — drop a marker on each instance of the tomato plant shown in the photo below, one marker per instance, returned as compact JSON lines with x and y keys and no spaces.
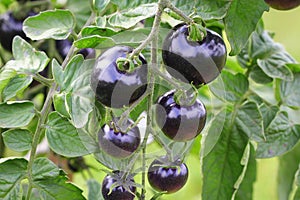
{"x":144,"y":99}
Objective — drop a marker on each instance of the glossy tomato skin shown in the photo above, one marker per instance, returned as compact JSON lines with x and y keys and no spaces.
{"x":283,"y":4}
{"x":9,"y":28}
{"x":179,"y":122}
{"x":117,"y":193}
{"x":117,"y":143}
{"x":168,"y":179}
{"x":194,"y":62}
{"x":116,"y":88}
{"x":63,"y":47}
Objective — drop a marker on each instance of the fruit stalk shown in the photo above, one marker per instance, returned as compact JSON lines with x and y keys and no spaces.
{"x":154,"y":30}
{"x":186,"y":18}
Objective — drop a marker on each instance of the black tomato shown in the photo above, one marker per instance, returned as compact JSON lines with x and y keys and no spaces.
{"x":63,"y":47}
{"x":116,"y":88}
{"x":119,"y":192}
{"x":194,"y":62}
{"x":283,"y":4}
{"x":117,"y":143}
{"x":166,"y":178}
{"x":11,"y":27}
{"x":179,"y":122}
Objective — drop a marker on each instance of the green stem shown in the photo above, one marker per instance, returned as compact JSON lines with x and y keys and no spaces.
{"x":43,"y":115}
{"x":171,"y":80}
{"x":179,"y":12}
{"x":43,"y":80}
{"x":2,"y":147}
{"x":154,"y":30}
{"x":159,"y":141}
{"x":36,"y":138}
{"x":126,"y":113}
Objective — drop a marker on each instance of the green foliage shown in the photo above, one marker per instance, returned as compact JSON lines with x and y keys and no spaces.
{"x":241,"y":13}
{"x":16,"y":114}
{"x":94,"y":190}
{"x":219,"y":172}
{"x":131,"y":17}
{"x":12,"y":173}
{"x":56,"y":24}
{"x":60,"y":132}
{"x":18,"y":139}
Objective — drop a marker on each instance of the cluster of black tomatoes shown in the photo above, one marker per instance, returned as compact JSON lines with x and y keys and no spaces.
{"x":179,"y":117}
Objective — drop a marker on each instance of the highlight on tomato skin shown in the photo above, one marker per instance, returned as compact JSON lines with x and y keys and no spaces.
{"x":115,"y":88}
{"x":193,"y":62}
{"x":283,"y":4}
{"x":165,"y":178}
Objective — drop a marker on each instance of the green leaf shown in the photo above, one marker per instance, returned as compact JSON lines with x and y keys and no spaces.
{"x":58,"y":188}
{"x":268,"y":113}
{"x":79,"y":95}
{"x":270,"y":56}
{"x":60,"y":134}
{"x":74,"y":83}
{"x":43,"y":168}
{"x":94,"y":41}
{"x":259,"y":76}
{"x":57,"y":72}
{"x":12,"y":172}
{"x":288,"y":165}
{"x":55,"y":24}
{"x":245,"y":190}
{"x":96,"y":30}
{"x":289,"y":92}
{"x":130,"y":37}
{"x":101,"y":21}
{"x":5,"y":76}
{"x":96,"y":37}
{"x":241,"y":20}
{"x":60,"y":105}
{"x":249,"y":121}
{"x":89,"y":133}
{"x":81,"y":10}
{"x":281,"y":136}
{"x":94,"y":190}
{"x":18,"y":139}
{"x":207,"y":9}
{"x":16,"y":114}
{"x":211,"y":136}
{"x":51,"y":183}
{"x":226,"y":89}
{"x":221,"y":167}
{"x":131,"y":17}
{"x":275,"y":69}
{"x":15,"y":85}
{"x":26,"y":59}
{"x":101,"y":5}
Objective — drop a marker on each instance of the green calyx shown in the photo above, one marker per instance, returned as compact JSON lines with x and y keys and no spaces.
{"x":128,"y":65}
{"x":197,"y":30}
